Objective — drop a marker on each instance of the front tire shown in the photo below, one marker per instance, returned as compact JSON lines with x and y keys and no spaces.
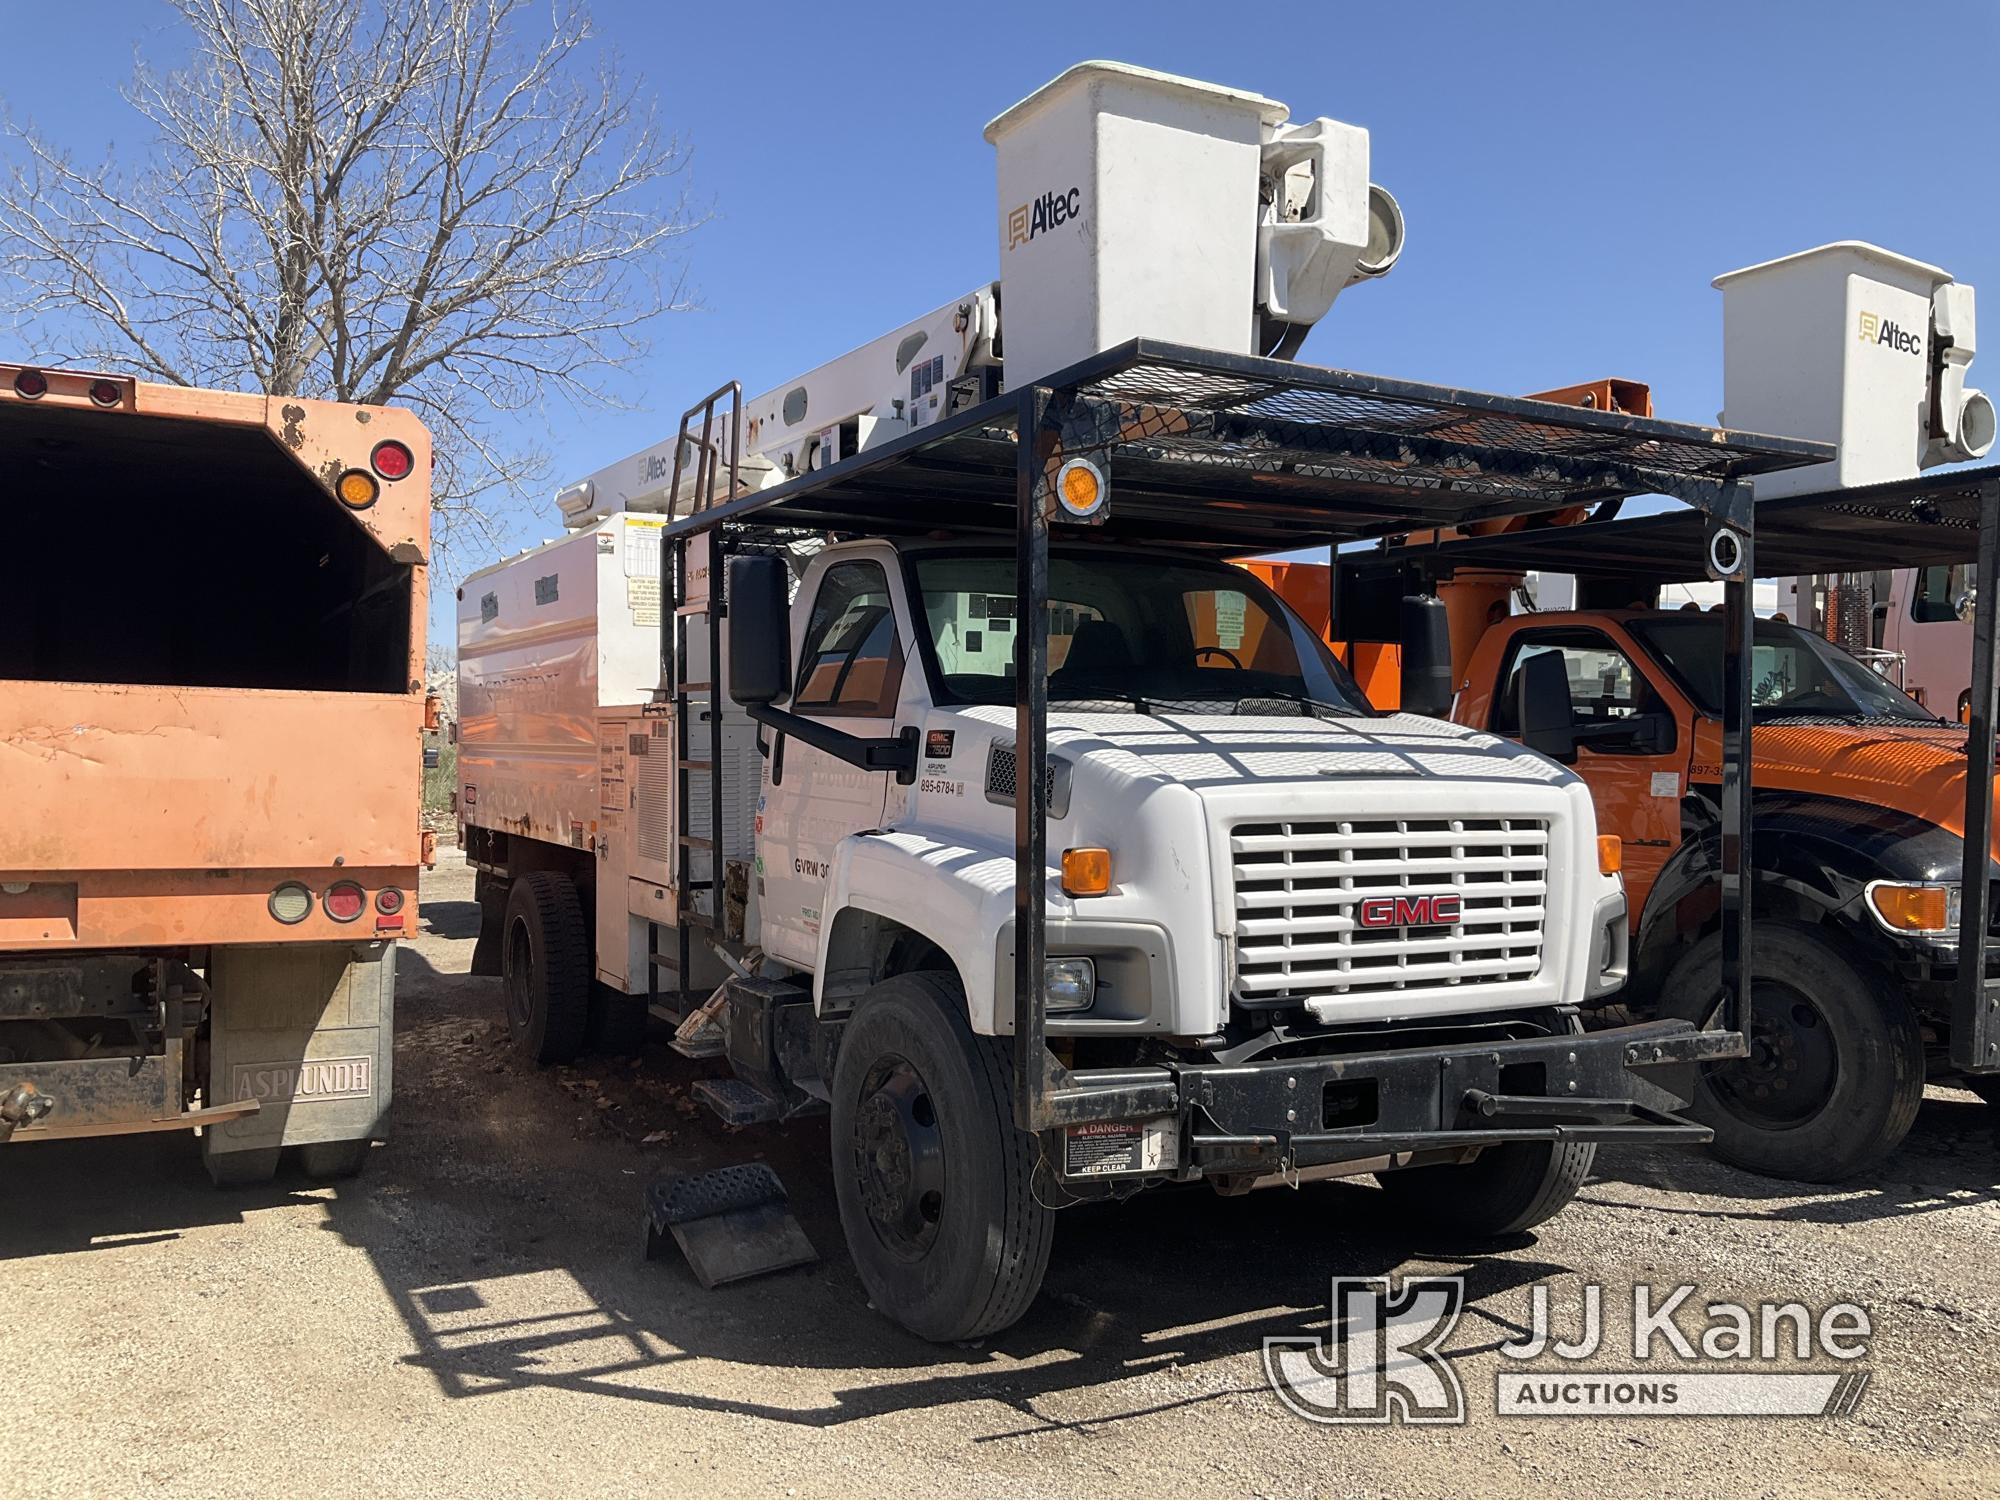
{"x":1836,"y":1070}
{"x":1504,"y":1190}
{"x":933,"y":1179}
{"x":546,"y":968}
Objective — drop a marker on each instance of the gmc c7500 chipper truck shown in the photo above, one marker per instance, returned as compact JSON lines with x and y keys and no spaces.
{"x":211,"y":703}
{"x":915,"y":709}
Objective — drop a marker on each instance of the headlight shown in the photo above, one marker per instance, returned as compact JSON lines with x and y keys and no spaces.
{"x":1069,"y":983}
{"x":1930,"y":909}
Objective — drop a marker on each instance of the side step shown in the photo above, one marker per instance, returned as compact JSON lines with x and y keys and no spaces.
{"x":735,"y":1102}
{"x":731,"y":1223}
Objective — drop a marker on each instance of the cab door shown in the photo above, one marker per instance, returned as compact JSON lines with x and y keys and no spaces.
{"x":1635,"y":751}
{"x":849,"y":673}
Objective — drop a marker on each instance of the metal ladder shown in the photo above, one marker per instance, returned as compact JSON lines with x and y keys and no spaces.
{"x":717,"y":450}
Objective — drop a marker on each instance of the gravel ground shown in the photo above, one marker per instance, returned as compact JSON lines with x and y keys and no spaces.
{"x":474,"y":1316}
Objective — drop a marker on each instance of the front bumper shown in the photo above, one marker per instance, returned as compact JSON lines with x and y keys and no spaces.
{"x":1285,"y":1114}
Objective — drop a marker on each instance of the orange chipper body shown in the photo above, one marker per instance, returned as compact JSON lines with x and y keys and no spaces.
{"x":212,"y":612}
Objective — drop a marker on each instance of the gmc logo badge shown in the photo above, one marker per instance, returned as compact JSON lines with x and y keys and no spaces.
{"x":1411,"y":911}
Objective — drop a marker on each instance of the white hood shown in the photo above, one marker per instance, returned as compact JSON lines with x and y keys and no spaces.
{"x":1215,"y":750}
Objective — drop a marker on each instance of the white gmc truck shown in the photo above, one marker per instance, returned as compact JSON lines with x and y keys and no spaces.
{"x":911,"y":726}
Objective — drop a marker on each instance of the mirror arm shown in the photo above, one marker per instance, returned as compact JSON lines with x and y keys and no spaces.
{"x":898,"y":754}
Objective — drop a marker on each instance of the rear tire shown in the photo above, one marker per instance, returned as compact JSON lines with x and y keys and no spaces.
{"x":1504,"y":1190}
{"x":546,"y":968}
{"x":618,"y":1023}
{"x":1836,"y":1070}
{"x":935,"y":1183}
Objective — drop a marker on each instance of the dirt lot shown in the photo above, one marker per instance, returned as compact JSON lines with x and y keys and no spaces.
{"x":473,"y":1316}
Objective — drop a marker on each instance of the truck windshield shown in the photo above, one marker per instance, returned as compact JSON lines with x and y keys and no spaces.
{"x":1131,"y":632}
{"x":1794,"y":674}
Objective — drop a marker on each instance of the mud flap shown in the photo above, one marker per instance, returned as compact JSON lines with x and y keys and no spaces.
{"x":491,"y":895}
{"x":306,"y":1030}
{"x":731,"y":1224}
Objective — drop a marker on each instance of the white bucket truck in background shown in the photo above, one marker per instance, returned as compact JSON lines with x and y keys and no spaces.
{"x":1870,"y":350}
{"x":1268,"y":934}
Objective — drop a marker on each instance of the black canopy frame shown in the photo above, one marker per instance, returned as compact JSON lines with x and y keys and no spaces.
{"x":1949,"y":517}
{"x":1235,"y":455}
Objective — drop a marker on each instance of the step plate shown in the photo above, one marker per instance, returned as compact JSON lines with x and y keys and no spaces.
{"x":735,"y":1102}
{"x":731,"y":1224}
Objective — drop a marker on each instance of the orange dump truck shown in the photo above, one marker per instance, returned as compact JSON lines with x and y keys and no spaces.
{"x":211,"y":703}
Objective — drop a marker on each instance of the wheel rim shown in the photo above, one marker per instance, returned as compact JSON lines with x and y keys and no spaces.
{"x":898,"y":1153}
{"x":1794,"y":1062}
{"x":520,"y":975}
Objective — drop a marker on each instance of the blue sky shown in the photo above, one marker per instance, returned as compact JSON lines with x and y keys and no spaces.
{"x":1573,"y":175}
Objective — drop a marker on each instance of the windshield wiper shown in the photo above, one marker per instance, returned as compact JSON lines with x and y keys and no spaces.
{"x":1808,"y":715}
{"x":1855,"y":718}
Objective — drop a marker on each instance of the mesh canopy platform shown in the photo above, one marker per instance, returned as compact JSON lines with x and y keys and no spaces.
{"x":1233,"y":455}
{"x":1238,"y":453}
{"x":1907,"y":523}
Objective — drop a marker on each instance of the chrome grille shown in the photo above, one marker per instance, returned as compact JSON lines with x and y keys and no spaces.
{"x":1298,"y":886}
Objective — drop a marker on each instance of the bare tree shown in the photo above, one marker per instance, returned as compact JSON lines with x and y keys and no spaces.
{"x":432,"y":202}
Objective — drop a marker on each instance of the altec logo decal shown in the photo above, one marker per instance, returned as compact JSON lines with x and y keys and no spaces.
{"x":1411,"y":911}
{"x":1878,"y":330}
{"x":1046,"y":212}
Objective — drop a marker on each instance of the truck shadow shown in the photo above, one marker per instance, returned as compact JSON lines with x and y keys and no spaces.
{"x":1951,"y":1159}
{"x":64,"y":1197}
{"x":1166,"y":1285}
{"x":449,"y":919}
{"x":504,"y":1221}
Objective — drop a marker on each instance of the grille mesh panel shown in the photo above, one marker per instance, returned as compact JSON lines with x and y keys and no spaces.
{"x":1299,"y":885}
{"x":1003,"y":775}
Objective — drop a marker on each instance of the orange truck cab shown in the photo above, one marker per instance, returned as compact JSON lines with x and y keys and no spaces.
{"x":1858,"y":797}
{"x":211,"y":706}
{"x":1858,"y":800}
{"x":1859,"y":807}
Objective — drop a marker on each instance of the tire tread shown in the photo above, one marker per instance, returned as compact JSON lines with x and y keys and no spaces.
{"x":550,"y":901}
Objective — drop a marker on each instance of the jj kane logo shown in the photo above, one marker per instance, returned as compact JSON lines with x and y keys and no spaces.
{"x":1880,"y":330}
{"x":1381,"y":1358}
{"x":1385,"y":1357}
{"x":1046,"y":212}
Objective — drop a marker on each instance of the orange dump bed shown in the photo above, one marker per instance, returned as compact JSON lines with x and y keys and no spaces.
{"x":211,"y":643}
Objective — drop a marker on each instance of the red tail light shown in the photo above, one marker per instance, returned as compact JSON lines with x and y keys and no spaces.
{"x":389,"y":901}
{"x":392,"y":460}
{"x":106,"y":392}
{"x":345,"y":901}
{"x":31,"y":385}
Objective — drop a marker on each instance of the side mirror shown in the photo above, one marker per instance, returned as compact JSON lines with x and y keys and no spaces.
{"x":1653,"y":734}
{"x":1426,"y":638}
{"x":1542,"y":706}
{"x":760,"y":630}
